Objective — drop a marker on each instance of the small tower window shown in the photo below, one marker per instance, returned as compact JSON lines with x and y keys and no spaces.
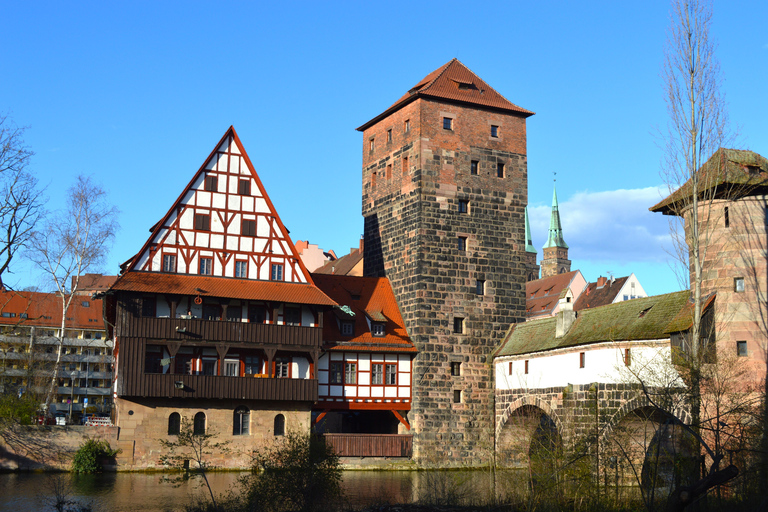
{"x":457,"y":396}
{"x":458,"y":325}
{"x":462,"y":243}
{"x":500,"y":169}
{"x":389,"y":135}
{"x":463,"y":206}
{"x":407,"y":126}
{"x":405,"y":165}
{"x":738,"y":284}
{"x":371,"y":144}
{"x":455,"y":369}
{"x":741,"y":349}
{"x":473,"y":167}
{"x":447,"y":123}
{"x":480,"y":287}
{"x":726,"y":217}
{"x":494,"y":131}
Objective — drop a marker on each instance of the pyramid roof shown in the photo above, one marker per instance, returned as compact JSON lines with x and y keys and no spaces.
{"x":454,"y":82}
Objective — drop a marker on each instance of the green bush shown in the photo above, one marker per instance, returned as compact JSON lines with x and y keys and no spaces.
{"x":87,"y":457}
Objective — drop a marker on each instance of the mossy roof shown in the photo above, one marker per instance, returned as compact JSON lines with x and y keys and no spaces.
{"x":728,"y":173}
{"x":647,"y":318}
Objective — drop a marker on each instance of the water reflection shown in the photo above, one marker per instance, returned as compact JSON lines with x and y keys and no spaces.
{"x":118,"y":492}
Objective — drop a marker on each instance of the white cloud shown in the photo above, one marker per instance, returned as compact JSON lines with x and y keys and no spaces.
{"x":608,"y":226}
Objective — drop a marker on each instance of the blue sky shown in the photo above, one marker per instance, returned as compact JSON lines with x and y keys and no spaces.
{"x":137,"y":94}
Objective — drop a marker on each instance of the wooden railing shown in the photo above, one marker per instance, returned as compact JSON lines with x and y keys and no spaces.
{"x":218,"y":330}
{"x":370,"y":445}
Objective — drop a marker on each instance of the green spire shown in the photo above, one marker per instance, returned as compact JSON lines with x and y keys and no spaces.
{"x":528,"y":240}
{"x":555,"y":228}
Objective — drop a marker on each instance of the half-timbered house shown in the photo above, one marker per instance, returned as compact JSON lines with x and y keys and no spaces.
{"x":217,"y":321}
{"x":365,"y":372}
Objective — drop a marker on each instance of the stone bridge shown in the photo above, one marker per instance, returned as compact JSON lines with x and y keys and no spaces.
{"x":613,"y":430}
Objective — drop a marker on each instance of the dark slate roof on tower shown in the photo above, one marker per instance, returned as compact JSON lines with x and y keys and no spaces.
{"x":454,"y":82}
{"x":555,"y":238}
{"x":528,"y":240}
{"x":647,"y":318}
{"x":729,"y":173}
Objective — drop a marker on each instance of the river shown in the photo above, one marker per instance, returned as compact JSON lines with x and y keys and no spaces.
{"x":124,"y":492}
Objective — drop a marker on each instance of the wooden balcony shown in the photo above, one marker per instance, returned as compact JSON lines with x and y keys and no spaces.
{"x":370,"y":445}
{"x":218,"y":330}
{"x":214,"y":386}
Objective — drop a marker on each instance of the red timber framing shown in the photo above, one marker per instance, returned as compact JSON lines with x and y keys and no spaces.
{"x":242,"y":223}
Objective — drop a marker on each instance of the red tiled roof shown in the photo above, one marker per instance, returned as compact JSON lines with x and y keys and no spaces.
{"x":365,"y":296}
{"x":542,"y":295}
{"x":593,"y":296}
{"x":155,"y":282}
{"x":344,"y":265}
{"x":44,"y":310}
{"x":94,"y":283}
{"x":455,"y":82}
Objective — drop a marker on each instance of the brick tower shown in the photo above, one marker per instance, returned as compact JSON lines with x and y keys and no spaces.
{"x":555,"y":250}
{"x":444,"y":195}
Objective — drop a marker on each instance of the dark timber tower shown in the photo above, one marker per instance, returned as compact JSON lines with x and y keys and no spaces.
{"x":444,"y":195}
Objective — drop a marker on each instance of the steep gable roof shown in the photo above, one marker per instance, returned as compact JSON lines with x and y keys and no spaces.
{"x":729,"y":173}
{"x":454,"y":82}
{"x":595,"y":295}
{"x":542,"y":295}
{"x":369,"y":299}
{"x":222,"y":216}
{"x":647,"y":318}
{"x":347,"y":265}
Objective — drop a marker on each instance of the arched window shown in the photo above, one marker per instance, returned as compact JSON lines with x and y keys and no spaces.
{"x":174,"y":424}
{"x":242,"y":418}
{"x":279,"y":425}
{"x":199,"y":425}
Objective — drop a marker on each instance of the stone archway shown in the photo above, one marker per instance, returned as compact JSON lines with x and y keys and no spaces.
{"x":528,"y":436}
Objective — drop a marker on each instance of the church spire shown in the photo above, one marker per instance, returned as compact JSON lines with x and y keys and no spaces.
{"x":528,"y":240}
{"x":532,"y":269}
{"x":555,"y":228}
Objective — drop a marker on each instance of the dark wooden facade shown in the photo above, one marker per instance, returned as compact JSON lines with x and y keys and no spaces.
{"x":370,"y":445}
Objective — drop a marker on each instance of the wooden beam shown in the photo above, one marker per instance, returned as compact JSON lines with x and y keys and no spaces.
{"x":320,"y":417}
{"x":402,"y":420}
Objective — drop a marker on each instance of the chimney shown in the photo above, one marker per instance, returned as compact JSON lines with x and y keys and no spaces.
{"x":565,"y":316}
{"x":601,"y":281}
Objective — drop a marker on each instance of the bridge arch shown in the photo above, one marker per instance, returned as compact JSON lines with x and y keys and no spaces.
{"x":529,"y":434}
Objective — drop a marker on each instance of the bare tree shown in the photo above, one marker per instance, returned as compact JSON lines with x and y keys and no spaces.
{"x":72,"y":242}
{"x":21,"y":205}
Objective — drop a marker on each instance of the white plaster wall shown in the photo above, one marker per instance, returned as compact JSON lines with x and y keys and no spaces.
{"x":604,"y":362}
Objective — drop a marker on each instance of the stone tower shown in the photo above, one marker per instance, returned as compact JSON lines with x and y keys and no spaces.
{"x":444,"y":195}
{"x":532,"y":268}
{"x":555,"y":250}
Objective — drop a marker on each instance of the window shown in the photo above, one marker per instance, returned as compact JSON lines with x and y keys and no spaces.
{"x":494,"y":131}
{"x":252,"y":365}
{"x":211,"y":311}
{"x":391,"y":374}
{"x":377,"y":329}
{"x":206,"y":265}
{"x":447,"y":123}
{"x":457,"y":396}
{"x":210,"y":367}
{"x":248,"y":227}
{"x":174,"y":424}
{"x":458,"y":325}
{"x":480,"y":287}
{"x":202,"y":222}
{"x":727,"y":217}
{"x":277,"y":271}
{"x":292,"y":316}
{"x":500,"y":170}
{"x":462,"y":243}
{"x":389,"y":171}
{"x":148,"y":307}
{"x":526,"y":367}
{"x":211,"y":183}
{"x":198,"y":428}
{"x":405,"y":165}
{"x":279,"y":429}
{"x":86,"y":304}
{"x":283,"y":367}
{"x":627,"y":357}
{"x":153,"y":354}
{"x":473,"y":167}
{"x":241,"y":419}
{"x":350,"y":373}
{"x":738,"y":284}
{"x":244,"y":187}
{"x":407,"y":126}
{"x":234,"y":314}
{"x":231,"y":368}
{"x":509,"y":370}
{"x":336,"y":373}
{"x":347,"y":328}
{"x":377,"y":374}
{"x":463,"y":206}
{"x":257,"y":314}
{"x":582,"y":359}
{"x":371,"y":144}
{"x":241,"y":269}
{"x":741,"y":349}
{"x":455,"y":369}
{"x":169,"y":263}
{"x":389,"y":135}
